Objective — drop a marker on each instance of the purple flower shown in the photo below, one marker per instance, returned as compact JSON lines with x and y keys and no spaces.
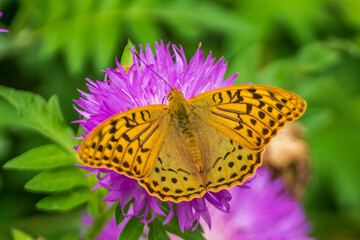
{"x":2,"y":29}
{"x":137,"y":87}
{"x":264,"y":211}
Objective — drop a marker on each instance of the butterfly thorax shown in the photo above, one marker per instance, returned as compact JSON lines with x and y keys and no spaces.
{"x":181,"y":111}
{"x":179,"y":106}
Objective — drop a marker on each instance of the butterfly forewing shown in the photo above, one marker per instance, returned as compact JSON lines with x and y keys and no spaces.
{"x":128,"y":142}
{"x":251,"y":115}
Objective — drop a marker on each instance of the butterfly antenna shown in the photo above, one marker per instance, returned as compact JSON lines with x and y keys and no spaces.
{"x":138,"y":56}
{"x":163,"y":100}
{"x":187,"y":69}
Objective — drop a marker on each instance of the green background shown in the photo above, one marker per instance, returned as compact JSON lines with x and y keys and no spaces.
{"x":310,"y":47}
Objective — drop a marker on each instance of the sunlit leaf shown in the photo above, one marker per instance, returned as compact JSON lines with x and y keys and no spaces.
{"x":40,"y":115}
{"x":127,"y":57}
{"x":20,"y":235}
{"x":57,"y":179}
{"x":44,"y":157}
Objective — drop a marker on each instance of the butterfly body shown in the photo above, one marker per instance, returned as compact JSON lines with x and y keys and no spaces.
{"x":180,"y":151}
{"x":180,"y":110}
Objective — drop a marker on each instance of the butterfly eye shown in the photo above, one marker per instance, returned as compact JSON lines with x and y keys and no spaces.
{"x":169,"y":96}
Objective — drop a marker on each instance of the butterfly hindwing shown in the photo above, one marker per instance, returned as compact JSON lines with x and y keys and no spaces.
{"x":227,"y":163}
{"x":127,"y":142}
{"x":173,"y":177}
{"x":250,"y":114}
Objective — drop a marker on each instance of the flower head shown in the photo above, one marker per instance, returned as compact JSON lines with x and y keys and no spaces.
{"x":263,"y":211}
{"x":139,"y":86}
{"x":2,"y":29}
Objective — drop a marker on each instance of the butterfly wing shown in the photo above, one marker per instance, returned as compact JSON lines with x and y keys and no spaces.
{"x":227,"y":162}
{"x":249,"y":114}
{"x":235,"y":124}
{"x":128,"y":142}
{"x":175,"y":178}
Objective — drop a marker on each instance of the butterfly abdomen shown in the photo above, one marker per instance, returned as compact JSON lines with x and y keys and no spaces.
{"x":180,"y":109}
{"x":189,"y":135}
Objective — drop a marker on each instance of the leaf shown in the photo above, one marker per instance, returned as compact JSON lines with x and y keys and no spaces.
{"x":44,"y":157}
{"x":316,"y":57}
{"x":7,"y":114}
{"x":64,"y":201}
{"x":20,"y":235}
{"x":132,"y":230}
{"x":40,"y":115}
{"x":174,"y":228}
{"x":127,"y":57}
{"x":119,"y":217}
{"x":206,"y":14}
{"x":105,"y":42}
{"x":57,"y":179}
{"x":70,"y":237}
{"x":157,"y":231}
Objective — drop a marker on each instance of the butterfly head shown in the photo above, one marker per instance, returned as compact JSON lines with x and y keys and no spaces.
{"x":177,"y":102}
{"x":175,"y":94}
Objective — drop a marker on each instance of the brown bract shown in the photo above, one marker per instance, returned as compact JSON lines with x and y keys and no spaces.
{"x":287,"y":157}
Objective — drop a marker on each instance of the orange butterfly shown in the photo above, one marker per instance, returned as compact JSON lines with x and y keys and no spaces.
{"x":180,"y":151}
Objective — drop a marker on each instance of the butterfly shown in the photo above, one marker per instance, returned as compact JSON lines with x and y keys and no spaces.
{"x":180,"y":151}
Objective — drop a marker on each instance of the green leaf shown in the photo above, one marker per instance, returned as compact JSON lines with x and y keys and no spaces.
{"x":316,"y":57}
{"x":127,"y":56}
{"x":7,"y":114}
{"x":64,"y":201}
{"x":132,"y":230}
{"x":174,"y":228}
{"x":40,"y":115}
{"x":105,"y":42}
{"x":119,"y":217}
{"x":20,"y":235}
{"x":70,"y":237}
{"x":47,"y":156}
{"x":157,"y":231}
{"x":57,"y":179}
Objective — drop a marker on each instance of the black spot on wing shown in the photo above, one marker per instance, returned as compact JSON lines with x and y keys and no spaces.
{"x":261,"y":115}
{"x":248,"y":108}
{"x":279,"y":106}
{"x":100,"y":148}
{"x":253,"y":121}
{"x":257,"y":96}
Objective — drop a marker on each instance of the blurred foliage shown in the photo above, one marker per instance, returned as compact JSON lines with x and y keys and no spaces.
{"x":310,"y":47}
